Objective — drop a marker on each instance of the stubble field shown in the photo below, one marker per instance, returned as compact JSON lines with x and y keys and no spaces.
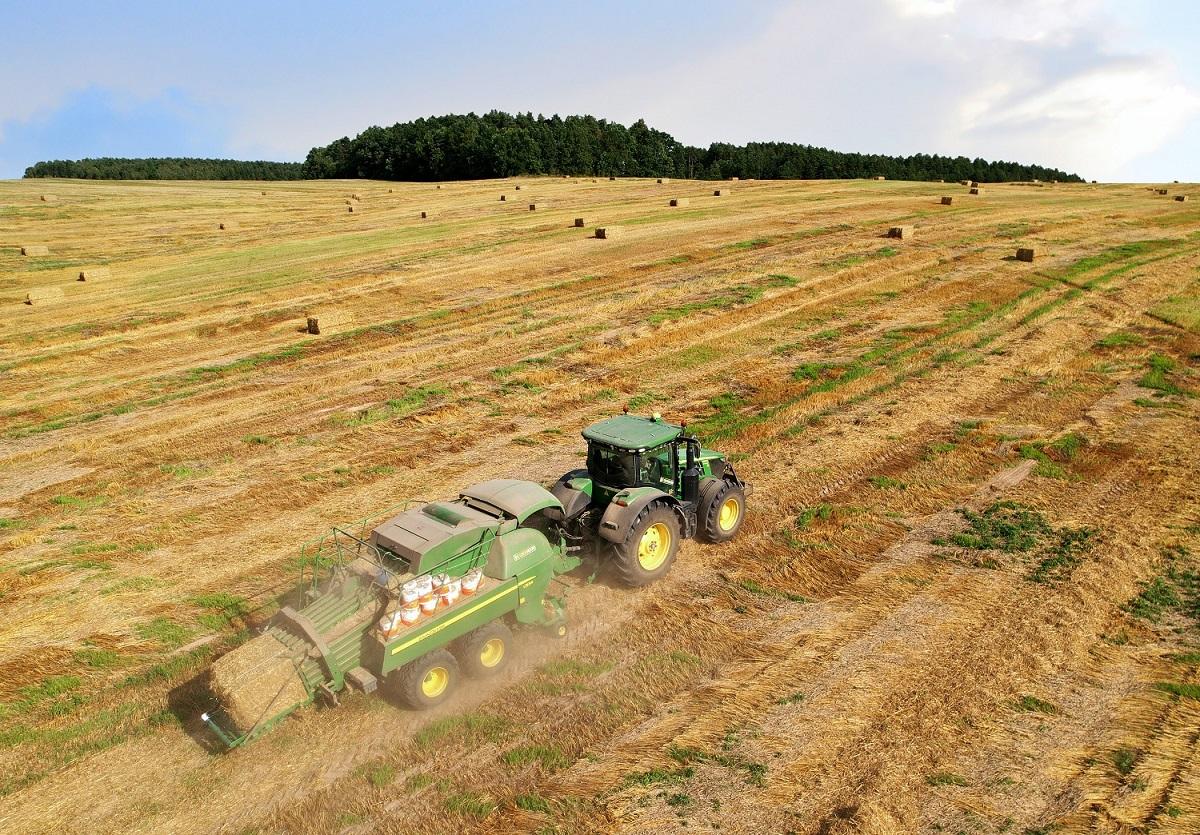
{"x":965,"y":600}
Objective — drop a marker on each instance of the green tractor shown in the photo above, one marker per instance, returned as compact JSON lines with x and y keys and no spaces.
{"x":412,"y":602}
{"x":648,"y":485}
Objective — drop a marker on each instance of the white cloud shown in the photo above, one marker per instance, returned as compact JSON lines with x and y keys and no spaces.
{"x":1025,"y":80}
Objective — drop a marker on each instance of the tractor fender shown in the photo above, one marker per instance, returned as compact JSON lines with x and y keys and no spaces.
{"x":615,"y":524}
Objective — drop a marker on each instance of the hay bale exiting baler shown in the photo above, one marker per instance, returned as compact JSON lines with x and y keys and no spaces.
{"x":43,"y":295}
{"x":1027,"y":253}
{"x":35,"y":249}
{"x":257,"y":681}
{"x":901,"y":232}
{"x":94,"y":274}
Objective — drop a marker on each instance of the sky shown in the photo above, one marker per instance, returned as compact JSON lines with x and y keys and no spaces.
{"x":1109,"y":89}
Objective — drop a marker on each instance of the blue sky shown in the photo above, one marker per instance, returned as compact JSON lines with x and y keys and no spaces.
{"x":1107,"y":88}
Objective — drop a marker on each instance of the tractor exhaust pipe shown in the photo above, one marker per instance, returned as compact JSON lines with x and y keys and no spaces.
{"x":691,"y":474}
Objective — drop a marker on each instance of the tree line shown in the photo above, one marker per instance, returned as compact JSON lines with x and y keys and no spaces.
{"x":496,"y":144}
{"x":166,"y":168}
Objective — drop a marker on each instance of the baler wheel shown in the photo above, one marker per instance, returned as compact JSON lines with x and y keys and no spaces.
{"x":484,"y":651}
{"x":427,"y":681}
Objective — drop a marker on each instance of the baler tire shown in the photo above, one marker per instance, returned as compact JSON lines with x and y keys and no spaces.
{"x":630,"y":557}
{"x":484,"y":651}
{"x":415,"y":681}
{"x":722,"y":510}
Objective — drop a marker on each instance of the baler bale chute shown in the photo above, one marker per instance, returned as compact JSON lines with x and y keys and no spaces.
{"x":412,"y":603}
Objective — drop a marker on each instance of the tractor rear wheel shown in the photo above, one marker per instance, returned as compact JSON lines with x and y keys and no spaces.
{"x":649,"y":547}
{"x":722,"y":509}
{"x":427,"y":681}
{"x":484,"y":651}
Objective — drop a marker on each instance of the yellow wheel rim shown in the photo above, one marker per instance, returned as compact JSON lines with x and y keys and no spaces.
{"x":731,"y":510}
{"x":654,"y":547}
{"x":435,"y":682}
{"x":492,"y":652}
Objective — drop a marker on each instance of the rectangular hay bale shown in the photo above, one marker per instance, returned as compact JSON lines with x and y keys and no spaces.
{"x":664,"y":179}
{"x":975,"y":190}
{"x":579,"y":223}
{"x":35,"y":249}
{"x":1026,"y":253}
{"x":317,"y":322}
{"x":900,"y":232}
{"x":94,"y":274}
{"x":720,"y":192}
{"x":533,"y":207}
{"x":1162,"y":191}
{"x":879,"y":178}
{"x":947,"y":201}
{"x":681,"y":201}
{"x":256,"y":682}
{"x":42,"y":295}
{"x":1182,"y":198}
{"x":606,"y":232}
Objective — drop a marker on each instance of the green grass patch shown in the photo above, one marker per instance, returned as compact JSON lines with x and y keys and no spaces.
{"x":98,"y":658}
{"x":738,"y":295}
{"x":1160,"y":376}
{"x":1066,"y":553}
{"x":221,"y":609}
{"x":794,"y":699}
{"x":249,"y":363}
{"x":1032,"y":704}
{"x":381,"y":776}
{"x":695,"y":356}
{"x":259,"y":440}
{"x":806,"y":516}
{"x":755,"y":588}
{"x":1004,"y":526}
{"x":550,"y":758}
{"x":1124,"y":759}
{"x":396,"y":408}
{"x":479,"y":725}
{"x":183,"y":471}
{"x":472,"y":804}
{"x":78,"y":502}
{"x":945,"y":778}
{"x":1120,"y":339}
{"x":532,"y":803}
{"x":641,"y":401}
{"x":883,"y":482}
{"x":1182,"y":690}
{"x":164,"y":630}
{"x":753,"y":243}
{"x":575,"y":667}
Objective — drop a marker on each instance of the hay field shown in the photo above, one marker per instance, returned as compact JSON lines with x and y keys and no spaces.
{"x":891,"y":645}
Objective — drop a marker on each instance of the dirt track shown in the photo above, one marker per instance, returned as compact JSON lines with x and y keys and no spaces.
{"x":170,"y":436}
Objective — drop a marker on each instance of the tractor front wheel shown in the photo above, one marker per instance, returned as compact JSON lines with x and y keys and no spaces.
{"x":484,"y":651}
{"x":722,"y":509}
{"x":427,"y":681}
{"x":649,"y":547}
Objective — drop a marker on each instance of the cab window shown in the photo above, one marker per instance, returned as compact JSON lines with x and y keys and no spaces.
{"x":658,"y":467}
